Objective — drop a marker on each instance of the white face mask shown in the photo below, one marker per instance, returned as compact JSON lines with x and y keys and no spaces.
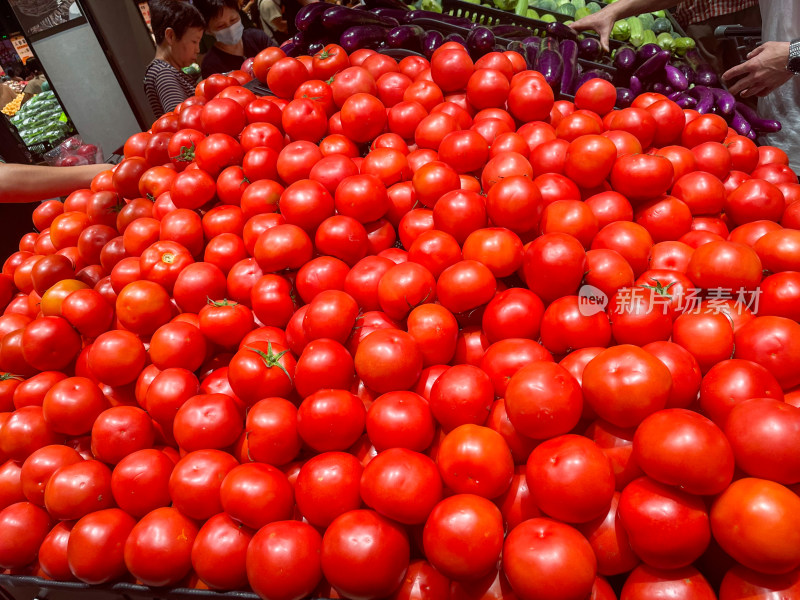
{"x":230,"y":35}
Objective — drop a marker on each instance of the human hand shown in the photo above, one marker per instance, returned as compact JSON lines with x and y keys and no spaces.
{"x":764,"y":71}
{"x":601,"y":22}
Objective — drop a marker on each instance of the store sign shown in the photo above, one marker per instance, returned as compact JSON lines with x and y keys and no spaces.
{"x":145,"y":10}
{"x":21,"y":46}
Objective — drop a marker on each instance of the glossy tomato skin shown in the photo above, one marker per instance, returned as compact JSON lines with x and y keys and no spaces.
{"x":198,"y":496}
{"x":648,"y":583}
{"x":549,"y":560}
{"x":77,"y":489}
{"x":158,"y":549}
{"x":96,"y":544}
{"x":25,"y":526}
{"x":410,"y":503}
{"x":741,"y":582}
{"x":563,"y":465}
{"x":140,"y":482}
{"x":682,"y":448}
{"x":742,"y":508}
{"x":477,"y":525}
{"x":649,"y":510}
{"x":364,"y":555}
{"x":643,"y":395}
{"x":219,"y":553}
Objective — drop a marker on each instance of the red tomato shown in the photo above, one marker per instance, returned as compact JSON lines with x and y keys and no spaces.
{"x":478,"y":529}
{"x":540,"y":552}
{"x":648,"y":510}
{"x":563,"y":465}
{"x":284,"y":560}
{"x":158,"y":549}
{"x":746,"y":516}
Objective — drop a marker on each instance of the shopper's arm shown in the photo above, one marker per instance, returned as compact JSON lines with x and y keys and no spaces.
{"x":603,"y":21}
{"x":764,"y":70}
{"x":32,"y":183}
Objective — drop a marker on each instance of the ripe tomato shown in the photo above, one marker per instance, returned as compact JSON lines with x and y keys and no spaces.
{"x":746,"y":516}
{"x":96,"y":545}
{"x":283,"y":560}
{"x":540,"y":552}
{"x":648,"y":509}
{"x":479,"y":530}
{"x":158,"y":549}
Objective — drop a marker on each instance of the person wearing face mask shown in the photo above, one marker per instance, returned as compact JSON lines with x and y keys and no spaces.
{"x":234,"y":44}
{"x":177,"y":27}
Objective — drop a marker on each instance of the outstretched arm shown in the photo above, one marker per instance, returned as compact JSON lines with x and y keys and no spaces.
{"x":603,"y":21}
{"x":32,"y":183}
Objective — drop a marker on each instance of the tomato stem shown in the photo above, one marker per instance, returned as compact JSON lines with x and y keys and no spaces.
{"x":270,"y":358}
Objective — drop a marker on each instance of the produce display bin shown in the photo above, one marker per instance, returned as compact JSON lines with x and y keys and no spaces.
{"x":487,"y":15}
{"x":17,"y":587}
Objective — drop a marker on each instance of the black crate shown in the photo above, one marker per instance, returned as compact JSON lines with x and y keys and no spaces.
{"x":488,"y":15}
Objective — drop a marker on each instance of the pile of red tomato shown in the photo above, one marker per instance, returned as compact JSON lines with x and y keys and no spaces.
{"x":338,"y":342}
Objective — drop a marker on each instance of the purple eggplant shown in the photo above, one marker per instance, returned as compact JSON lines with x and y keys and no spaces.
{"x":291,"y":49}
{"x":589,"y":48}
{"x":685,"y":100}
{"x":659,"y":88}
{"x":513,"y":32}
{"x":561,"y":31}
{"x":653,"y":66}
{"x":531,"y":53}
{"x":480,"y":41}
{"x":676,"y":78}
{"x":431,"y":41}
{"x":704,"y":97}
{"x":341,"y":17}
{"x":309,"y":14}
{"x":625,"y":60}
{"x":757,"y":123}
{"x":533,"y":39}
{"x":315,"y":47}
{"x":456,"y":37}
{"x":646,"y":52}
{"x":740,"y":124}
{"x":569,"y":55}
{"x":591,"y":74}
{"x":705,"y":75}
{"x":516,"y":46}
{"x":550,"y":63}
{"x":362,"y":36}
{"x":635,"y":85}
{"x":406,"y":36}
{"x":725,"y":102}
{"x":624,"y":97}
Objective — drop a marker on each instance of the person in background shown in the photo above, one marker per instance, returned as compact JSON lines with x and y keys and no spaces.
{"x":271,"y":16}
{"x":699,"y":19}
{"x":177,"y":28}
{"x":34,"y":85}
{"x":772,"y":73}
{"x":233,"y":43}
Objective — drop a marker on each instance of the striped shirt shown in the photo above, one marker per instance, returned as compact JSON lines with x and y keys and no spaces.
{"x":166,"y":86}
{"x":689,"y":12}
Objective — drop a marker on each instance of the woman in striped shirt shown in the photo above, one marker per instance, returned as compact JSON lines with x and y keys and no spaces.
{"x":178,"y":28}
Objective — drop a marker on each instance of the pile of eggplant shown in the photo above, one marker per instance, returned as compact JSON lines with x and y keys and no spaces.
{"x":690,"y":82}
{"x":566,"y":59}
